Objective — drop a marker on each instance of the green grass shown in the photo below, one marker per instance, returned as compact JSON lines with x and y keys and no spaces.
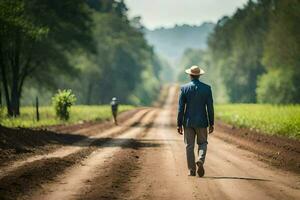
{"x":47,"y":116}
{"x":271,"y":119}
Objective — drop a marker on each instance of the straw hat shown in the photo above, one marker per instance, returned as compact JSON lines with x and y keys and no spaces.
{"x":195,"y":70}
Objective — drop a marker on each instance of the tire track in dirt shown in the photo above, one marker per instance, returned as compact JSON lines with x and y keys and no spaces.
{"x":68,"y":184}
{"x":21,"y":182}
{"x":18,"y":144}
{"x":65,"y":151}
{"x":112,"y":178}
{"x":24,"y":179}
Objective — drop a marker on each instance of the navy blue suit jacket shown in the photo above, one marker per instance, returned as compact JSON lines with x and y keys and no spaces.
{"x":195,"y":105}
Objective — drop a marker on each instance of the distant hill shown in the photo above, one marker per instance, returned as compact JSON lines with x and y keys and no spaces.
{"x":172,"y":42}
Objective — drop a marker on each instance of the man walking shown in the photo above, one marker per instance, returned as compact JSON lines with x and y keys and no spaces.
{"x":195,"y":114}
{"x":114,"y":109}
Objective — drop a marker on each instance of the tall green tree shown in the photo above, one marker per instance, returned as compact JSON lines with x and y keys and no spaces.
{"x":35,"y":37}
{"x":281,"y":83}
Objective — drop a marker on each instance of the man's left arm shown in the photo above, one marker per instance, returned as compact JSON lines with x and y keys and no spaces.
{"x":210,"y":111}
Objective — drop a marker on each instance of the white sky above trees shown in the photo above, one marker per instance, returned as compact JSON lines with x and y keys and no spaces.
{"x":167,"y":13}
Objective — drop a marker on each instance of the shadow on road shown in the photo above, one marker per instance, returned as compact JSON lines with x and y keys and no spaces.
{"x":123,"y":143}
{"x":235,"y":177}
{"x":24,"y":140}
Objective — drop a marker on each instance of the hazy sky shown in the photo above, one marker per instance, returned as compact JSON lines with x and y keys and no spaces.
{"x":157,"y":13}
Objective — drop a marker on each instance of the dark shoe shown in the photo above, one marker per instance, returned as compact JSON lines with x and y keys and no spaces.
{"x":200,"y":170}
{"x":192,"y":173}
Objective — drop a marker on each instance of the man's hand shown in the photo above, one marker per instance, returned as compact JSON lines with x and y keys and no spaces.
{"x":179,"y":130}
{"x":210,"y":129}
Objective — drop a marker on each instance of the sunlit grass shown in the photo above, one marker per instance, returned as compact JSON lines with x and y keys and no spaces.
{"x":271,"y":119}
{"x":47,"y":116}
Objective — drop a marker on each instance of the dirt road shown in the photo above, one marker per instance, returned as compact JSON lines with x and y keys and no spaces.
{"x":144,"y":158}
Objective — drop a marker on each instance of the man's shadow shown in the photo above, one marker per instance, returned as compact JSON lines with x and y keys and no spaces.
{"x":235,"y":177}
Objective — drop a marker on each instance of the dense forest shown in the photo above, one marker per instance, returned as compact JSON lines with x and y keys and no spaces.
{"x":89,"y":46}
{"x":253,"y":56}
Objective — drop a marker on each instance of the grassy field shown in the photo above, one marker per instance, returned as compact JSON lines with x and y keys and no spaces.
{"x":47,"y":116}
{"x":270,"y":119}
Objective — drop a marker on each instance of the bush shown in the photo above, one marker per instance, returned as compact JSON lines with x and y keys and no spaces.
{"x":62,"y":101}
{"x":278,"y":86}
{"x":2,"y":113}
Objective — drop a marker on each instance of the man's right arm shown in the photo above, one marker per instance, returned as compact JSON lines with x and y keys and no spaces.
{"x":181,"y":108}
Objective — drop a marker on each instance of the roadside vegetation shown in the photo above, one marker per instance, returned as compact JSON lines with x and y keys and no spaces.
{"x":48,"y":117}
{"x":90,"y":47}
{"x":281,"y":120}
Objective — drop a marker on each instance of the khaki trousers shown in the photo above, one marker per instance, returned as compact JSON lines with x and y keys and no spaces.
{"x":190,"y":134}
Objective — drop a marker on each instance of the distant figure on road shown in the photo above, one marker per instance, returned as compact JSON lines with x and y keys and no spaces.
{"x":114,"y":109}
{"x":195,"y":114}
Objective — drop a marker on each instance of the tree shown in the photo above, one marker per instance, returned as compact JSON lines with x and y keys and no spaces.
{"x":281,"y":84}
{"x":35,"y":37}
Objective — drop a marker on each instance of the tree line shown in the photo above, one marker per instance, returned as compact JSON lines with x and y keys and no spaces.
{"x":89,"y":46}
{"x":253,"y":56}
